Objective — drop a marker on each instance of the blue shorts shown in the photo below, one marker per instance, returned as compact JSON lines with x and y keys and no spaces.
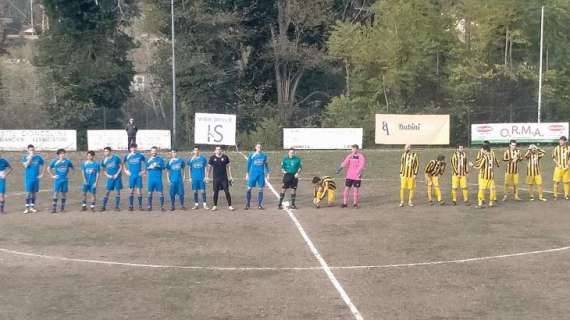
{"x":32,"y":185}
{"x":89,"y":188}
{"x":256,"y":180}
{"x":176,"y":188}
{"x":61,"y":186}
{"x":2,"y":185}
{"x":155,"y":186}
{"x":198,"y":185}
{"x":114,"y":184}
{"x":135,"y":182}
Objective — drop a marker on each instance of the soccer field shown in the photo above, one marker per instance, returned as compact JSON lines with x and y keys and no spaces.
{"x":376,"y":262}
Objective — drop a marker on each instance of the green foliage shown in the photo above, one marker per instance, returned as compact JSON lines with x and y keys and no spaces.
{"x":476,"y":60}
{"x":84,"y":57}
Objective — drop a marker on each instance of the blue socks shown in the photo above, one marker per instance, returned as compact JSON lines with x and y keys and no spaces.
{"x":248,"y":197}
{"x":260,"y":198}
{"x":131,"y":201}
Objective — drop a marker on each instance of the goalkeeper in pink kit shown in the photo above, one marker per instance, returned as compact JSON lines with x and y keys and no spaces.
{"x":354,"y":164}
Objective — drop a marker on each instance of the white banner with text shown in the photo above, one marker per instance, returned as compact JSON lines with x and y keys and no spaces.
{"x":118,"y":140}
{"x":522,"y":132}
{"x":48,"y":140}
{"x":321,"y":138}
{"x":215,"y":128}
{"x":422,"y":129}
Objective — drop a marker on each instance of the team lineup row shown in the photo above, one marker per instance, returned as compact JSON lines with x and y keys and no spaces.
{"x":135,"y":166}
{"x":486,"y":162}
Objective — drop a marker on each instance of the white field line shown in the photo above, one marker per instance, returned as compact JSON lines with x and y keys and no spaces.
{"x":324,"y":265}
{"x":215,"y":268}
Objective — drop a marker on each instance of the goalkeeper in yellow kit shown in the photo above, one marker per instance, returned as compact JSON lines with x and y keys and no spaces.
{"x":409,"y":166}
{"x":486,"y":164}
{"x":434,"y":169}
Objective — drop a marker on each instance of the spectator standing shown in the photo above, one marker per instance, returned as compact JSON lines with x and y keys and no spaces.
{"x":132,"y":132}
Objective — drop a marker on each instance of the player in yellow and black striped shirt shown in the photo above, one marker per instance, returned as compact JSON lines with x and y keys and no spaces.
{"x":561,"y":157}
{"x":324,"y":187}
{"x":409,"y":166}
{"x":459,"y":174}
{"x":533,"y":176}
{"x":434,"y":169}
{"x":486,"y":164}
{"x":512,"y":157}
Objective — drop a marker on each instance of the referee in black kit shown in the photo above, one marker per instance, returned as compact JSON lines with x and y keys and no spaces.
{"x":219,"y":165}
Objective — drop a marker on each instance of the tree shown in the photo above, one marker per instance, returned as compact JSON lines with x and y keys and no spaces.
{"x":85,"y":58}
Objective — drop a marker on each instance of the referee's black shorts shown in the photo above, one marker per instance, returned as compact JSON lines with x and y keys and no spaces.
{"x":289,"y":181}
{"x":220,"y":184}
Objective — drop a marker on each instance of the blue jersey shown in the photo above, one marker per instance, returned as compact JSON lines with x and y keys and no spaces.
{"x":134,"y":163}
{"x":175,"y":167}
{"x":61,"y":168}
{"x":154,"y":167}
{"x":198,"y":167}
{"x":90,"y":170}
{"x":257,"y":164}
{"x":33,"y":169}
{"x":4,"y":164}
{"x":112,"y":164}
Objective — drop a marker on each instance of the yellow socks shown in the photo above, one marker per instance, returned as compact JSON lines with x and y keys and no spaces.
{"x":465,"y":195}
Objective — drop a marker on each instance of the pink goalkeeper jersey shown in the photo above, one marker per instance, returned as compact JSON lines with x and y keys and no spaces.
{"x":354,"y":164}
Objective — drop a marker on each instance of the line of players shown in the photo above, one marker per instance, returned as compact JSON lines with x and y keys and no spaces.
{"x":136,"y":166}
{"x":486,"y":162}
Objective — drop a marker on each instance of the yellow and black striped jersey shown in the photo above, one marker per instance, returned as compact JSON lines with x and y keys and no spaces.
{"x":459,"y":164}
{"x":327,"y":183}
{"x":486,"y":164}
{"x":480,"y":154}
{"x":435,"y":168}
{"x":561,"y":156}
{"x":533,"y":166}
{"x":512,"y":158}
{"x":409,"y":164}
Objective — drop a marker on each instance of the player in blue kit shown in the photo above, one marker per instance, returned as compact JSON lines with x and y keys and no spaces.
{"x":176,"y":175}
{"x":5,"y":170}
{"x":257,"y":172}
{"x":135,"y":169}
{"x":34,"y":170}
{"x":154,"y":166}
{"x":197,"y":165}
{"x":90,"y":171}
{"x":112,"y":166}
{"x":59,"y":169}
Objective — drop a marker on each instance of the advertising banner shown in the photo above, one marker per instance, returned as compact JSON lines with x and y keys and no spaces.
{"x":522,"y":132}
{"x":214,"y":128}
{"x":117,"y":139}
{"x":48,"y":140}
{"x":321,"y":138}
{"x":422,"y":129}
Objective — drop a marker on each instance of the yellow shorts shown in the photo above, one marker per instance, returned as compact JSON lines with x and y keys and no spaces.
{"x":486,"y":183}
{"x":330,"y":195}
{"x":459,"y":182}
{"x":433,"y":181}
{"x":561,"y":175}
{"x":407,"y":183}
{"x":537,"y":180}
{"x":512,"y":179}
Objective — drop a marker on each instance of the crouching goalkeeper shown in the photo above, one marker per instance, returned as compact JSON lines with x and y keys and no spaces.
{"x":324,"y":187}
